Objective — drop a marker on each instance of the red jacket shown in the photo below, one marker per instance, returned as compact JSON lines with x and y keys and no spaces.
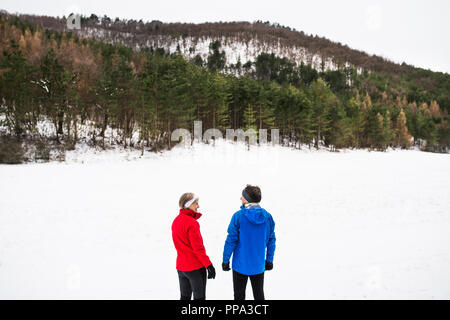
{"x":188,"y":241}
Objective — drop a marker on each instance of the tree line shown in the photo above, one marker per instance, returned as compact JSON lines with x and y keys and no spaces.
{"x":68,"y":80}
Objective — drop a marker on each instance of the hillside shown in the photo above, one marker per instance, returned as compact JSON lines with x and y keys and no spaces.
{"x":240,"y":40}
{"x":143,"y":80}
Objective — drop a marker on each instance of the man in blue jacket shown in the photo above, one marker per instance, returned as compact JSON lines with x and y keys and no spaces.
{"x":251,"y":232}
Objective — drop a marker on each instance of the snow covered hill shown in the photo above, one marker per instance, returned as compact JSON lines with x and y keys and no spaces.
{"x":236,"y":49}
{"x":353,"y":224}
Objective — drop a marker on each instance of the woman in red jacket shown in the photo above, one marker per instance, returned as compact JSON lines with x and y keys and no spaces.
{"x":192,"y":261}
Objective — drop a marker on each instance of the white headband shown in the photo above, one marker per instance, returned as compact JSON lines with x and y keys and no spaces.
{"x":188,"y":204}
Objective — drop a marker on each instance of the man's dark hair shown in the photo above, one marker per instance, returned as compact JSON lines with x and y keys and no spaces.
{"x":254,"y":192}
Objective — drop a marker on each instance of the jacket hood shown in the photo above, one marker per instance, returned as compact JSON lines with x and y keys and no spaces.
{"x":255,"y":214}
{"x":193,"y":214}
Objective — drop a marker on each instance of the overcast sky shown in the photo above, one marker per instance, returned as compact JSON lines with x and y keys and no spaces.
{"x":414,"y":31}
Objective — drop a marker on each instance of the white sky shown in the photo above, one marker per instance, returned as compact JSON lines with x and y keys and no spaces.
{"x":414,"y":31}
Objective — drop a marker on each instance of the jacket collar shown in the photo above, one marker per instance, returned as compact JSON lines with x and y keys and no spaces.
{"x":193,"y":214}
{"x":250,"y":205}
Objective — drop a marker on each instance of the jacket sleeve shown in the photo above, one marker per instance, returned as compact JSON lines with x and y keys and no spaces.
{"x":197,"y":244}
{"x":232,"y":238}
{"x":271,"y":241}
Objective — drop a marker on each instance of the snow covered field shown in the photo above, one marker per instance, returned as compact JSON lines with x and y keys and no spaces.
{"x":353,"y":224}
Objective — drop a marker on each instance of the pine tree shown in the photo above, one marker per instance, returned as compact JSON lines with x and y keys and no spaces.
{"x":259,"y":98}
{"x":216,"y":60}
{"x":380,"y":137}
{"x":304,"y":121}
{"x":402,"y":134}
{"x":387,"y":130}
{"x":55,"y":80}
{"x":434,"y":109}
{"x":236,"y":87}
{"x":430,"y":134}
{"x":17,"y":86}
{"x":218,"y":98}
{"x":175,"y":81}
{"x":357,"y":120}
{"x":322,"y":99}
{"x":375,"y":132}
{"x":307,"y":74}
{"x":265,"y":115}
{"x":250,"y":121}
{"x":123,"y":87}
{"x":339,"y":135}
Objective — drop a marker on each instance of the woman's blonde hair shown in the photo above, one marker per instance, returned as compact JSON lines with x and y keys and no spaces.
{"x":185,"y":197}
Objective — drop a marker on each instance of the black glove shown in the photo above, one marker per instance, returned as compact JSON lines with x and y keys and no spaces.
{"x":211,"y":272}
{"x":226,"y":266}
{"x":269,"y":265}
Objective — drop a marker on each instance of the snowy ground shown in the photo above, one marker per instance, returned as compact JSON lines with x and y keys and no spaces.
{"x":354,"y":224}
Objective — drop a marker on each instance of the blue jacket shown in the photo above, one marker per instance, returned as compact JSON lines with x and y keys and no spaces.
{"x":250,"y":233}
